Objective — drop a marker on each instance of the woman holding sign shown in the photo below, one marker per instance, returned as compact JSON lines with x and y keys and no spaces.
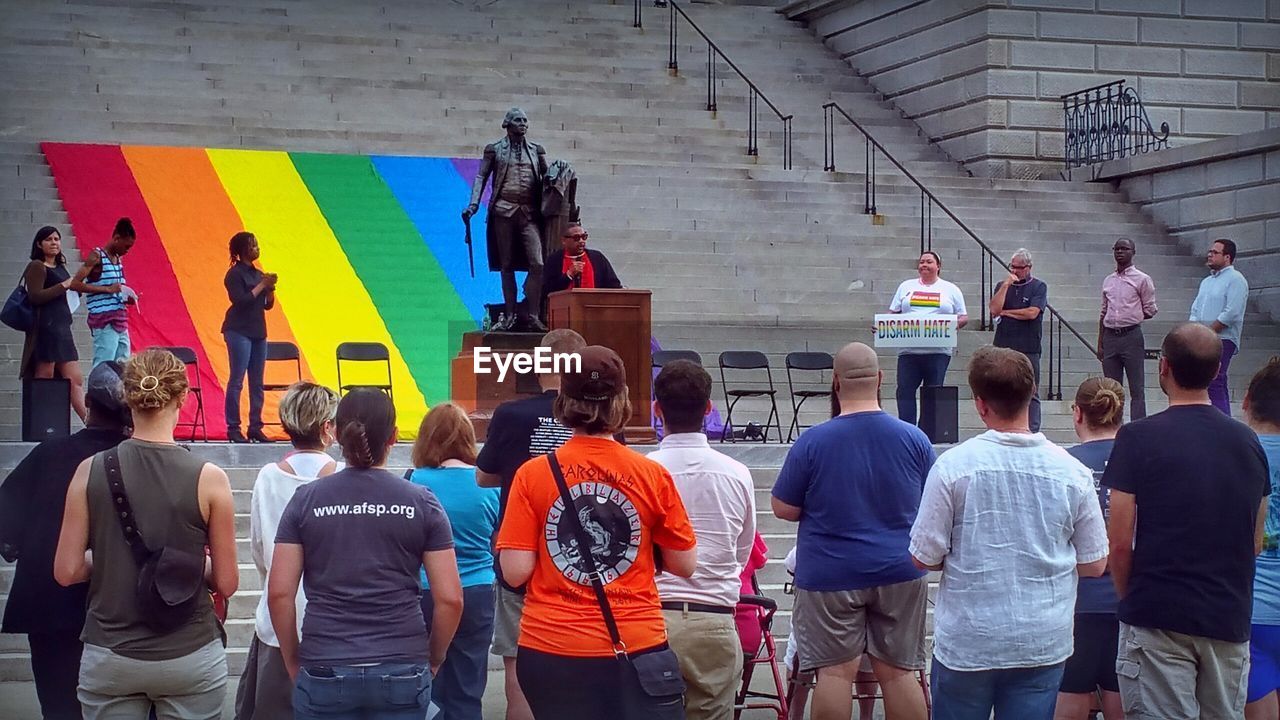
{"x":926,"y":295}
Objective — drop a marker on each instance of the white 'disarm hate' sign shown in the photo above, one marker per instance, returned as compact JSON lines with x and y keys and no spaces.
{"x":906,"y":330}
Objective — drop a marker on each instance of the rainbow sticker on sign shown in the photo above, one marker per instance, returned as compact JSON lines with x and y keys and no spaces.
{"x":368,"y":248}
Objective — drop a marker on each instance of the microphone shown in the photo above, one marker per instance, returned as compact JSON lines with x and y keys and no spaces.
{"x":577,"y":279}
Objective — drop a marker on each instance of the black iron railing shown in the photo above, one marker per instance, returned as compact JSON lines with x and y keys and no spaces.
{"x":1107,"y":122}
{"x":715,"y":54}
{"x":989,"y":260}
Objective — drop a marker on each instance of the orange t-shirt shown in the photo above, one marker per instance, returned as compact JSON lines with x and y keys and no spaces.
{"x":627,"y":504}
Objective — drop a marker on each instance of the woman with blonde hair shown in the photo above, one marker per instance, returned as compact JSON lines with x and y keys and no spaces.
{"x":1098,"y":412}
{"x":444,"y":457}
{"x":172,"y":500}
{"x":307,"y":413}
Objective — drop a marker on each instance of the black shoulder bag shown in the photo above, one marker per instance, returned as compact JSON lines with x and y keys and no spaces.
{"x":170,"y":580}
{"x":18,"y":312}
{"x":658,"y":671}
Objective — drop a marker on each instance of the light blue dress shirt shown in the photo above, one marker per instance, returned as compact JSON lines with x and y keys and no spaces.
{"x":1222,"y":297}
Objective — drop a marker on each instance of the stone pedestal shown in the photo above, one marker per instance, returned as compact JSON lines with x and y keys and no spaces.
{"x":480,"y":394}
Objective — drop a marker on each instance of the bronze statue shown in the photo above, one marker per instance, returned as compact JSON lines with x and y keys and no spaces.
{"x":514,"y":240}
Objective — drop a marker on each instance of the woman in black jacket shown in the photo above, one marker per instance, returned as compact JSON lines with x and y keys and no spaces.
{"x":49,"y":349}
{"x":32,"y":501}
{"x":252,"y":293}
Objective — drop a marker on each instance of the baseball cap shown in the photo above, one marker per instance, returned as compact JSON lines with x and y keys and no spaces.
{"x":105,"y":388}
{"x":601,"y":376}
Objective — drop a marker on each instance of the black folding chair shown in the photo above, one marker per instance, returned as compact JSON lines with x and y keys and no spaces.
{"x":283,"y":352}
{"x":746,"y":361}
{"x":662,"y":357}
{"x":195,"y":388}
{"x":362,"y":352}
{"x":818,"y":362}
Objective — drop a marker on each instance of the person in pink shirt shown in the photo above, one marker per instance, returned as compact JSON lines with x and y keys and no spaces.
{"x":1128,"y":298}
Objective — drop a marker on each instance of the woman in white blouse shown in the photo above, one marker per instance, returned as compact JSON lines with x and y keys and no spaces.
{"x":307,"y":414}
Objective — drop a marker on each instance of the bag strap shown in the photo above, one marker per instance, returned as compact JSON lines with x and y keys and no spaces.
{"x":123,"y":510}
{"x":584,"y":549}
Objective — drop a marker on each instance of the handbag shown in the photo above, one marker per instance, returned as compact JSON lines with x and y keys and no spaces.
{"x":170,"y":580}
{"x":18,"y":312}
{"x":658,"y":670}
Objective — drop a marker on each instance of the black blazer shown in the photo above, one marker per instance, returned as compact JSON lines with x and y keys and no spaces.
{"x":554,"y":280}
{"x":32,"y":501}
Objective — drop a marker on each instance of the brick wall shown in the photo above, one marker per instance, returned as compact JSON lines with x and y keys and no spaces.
{"x":1225,"y":188}
{"x":982,"y":78}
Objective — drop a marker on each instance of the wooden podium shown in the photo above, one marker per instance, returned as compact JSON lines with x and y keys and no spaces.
{"x":620,"y":320}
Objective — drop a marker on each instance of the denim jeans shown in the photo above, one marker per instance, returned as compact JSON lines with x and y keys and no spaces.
{"x":1219,"y":392}
{"x":915,"y":370}
{"x":389,"y":691}
{"x":1014,"y":694}
{"x":1033,"y":414}
{"x":459,"y":686}
{"x":245,"y":355}
{"x":109,"y":344}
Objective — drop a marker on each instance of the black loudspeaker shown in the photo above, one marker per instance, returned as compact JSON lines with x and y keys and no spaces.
{"x":46,"y":409}
{"x":940,"y":413}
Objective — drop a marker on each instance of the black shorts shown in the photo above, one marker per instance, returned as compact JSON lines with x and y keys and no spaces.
{"x":1093,"y":664}
{"x":560,"y":687}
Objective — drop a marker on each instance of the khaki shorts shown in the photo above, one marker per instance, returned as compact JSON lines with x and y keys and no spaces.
{"x":508,"y":607}
{"x":711,"y":661}
{"x":190,"y":687}
{"x":1166,"y":675}
{"x":886,"y":622}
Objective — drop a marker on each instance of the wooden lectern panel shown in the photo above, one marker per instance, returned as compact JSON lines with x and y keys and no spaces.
{"x":620,"y":320}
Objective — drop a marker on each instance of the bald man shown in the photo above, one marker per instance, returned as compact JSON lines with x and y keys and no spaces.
{"x":854,"y":484}
{"x":1201,"y":480}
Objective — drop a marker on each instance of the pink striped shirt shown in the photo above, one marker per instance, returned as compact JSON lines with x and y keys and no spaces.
{"x":1128,"y":298}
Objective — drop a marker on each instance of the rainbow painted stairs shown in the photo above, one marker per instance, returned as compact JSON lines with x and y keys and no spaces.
{"x":368,"y":248}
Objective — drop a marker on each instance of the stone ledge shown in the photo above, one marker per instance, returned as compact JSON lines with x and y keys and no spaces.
{"x":1204,"y":152}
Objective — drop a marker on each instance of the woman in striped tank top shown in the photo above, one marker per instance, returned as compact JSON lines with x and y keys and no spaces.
{"x":101,"y":281}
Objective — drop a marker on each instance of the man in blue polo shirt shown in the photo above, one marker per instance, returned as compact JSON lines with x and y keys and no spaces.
{"x":1017,"y":307}
{"x":854,"y":484}
{"x":1220,"y":305}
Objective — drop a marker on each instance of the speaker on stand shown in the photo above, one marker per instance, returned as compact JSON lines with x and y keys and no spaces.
{"x":940,"y":413}
{"x":46,"y":409}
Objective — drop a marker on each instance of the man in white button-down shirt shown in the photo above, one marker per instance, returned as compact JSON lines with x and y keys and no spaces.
{"x":1010,"y":519}
{"x":720,"y":498}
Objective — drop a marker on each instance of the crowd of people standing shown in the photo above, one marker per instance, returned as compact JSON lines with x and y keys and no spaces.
{"x":608,"y":580}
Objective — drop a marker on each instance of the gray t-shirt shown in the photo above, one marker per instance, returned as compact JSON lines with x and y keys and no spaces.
{"x":363,"y":533}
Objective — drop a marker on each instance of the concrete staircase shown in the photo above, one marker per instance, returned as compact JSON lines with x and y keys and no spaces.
{"x":739,"y":253}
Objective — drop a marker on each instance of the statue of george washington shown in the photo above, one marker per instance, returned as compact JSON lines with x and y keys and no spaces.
{"x":518,"y":168}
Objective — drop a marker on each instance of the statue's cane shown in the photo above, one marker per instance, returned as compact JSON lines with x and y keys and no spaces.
{"x":471,"y":258}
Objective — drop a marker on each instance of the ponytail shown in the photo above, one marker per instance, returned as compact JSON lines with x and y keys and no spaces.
{"x":366,"y":421}
{"x":355,"y":445}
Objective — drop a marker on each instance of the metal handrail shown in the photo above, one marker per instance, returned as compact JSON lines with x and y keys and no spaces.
{"x":1105,"y":122}
{"x":927,"y":201}
{"x":754,"y":94}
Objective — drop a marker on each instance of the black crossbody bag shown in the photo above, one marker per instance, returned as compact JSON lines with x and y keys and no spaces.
{"x":170,"y":580}
{"x":658,"y":671}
